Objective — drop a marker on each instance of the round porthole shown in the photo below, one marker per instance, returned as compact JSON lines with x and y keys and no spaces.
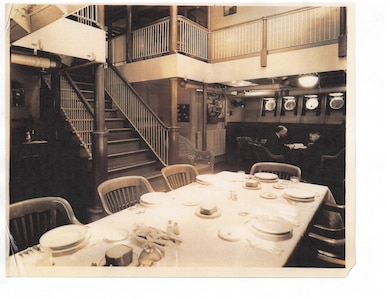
{"x":270,"y":104}
{"x":311,"y":102}
{"x":289,"y":102}
{"x":336,"y":100}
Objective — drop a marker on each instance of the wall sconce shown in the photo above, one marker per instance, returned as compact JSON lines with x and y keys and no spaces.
{"x":308,"y":80}
{"x":183,"y":82}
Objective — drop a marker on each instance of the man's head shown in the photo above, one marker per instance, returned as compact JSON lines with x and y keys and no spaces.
{"x":314,"y":136}
{"x":281,"y":131}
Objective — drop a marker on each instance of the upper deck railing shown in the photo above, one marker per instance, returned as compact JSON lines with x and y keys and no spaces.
{"x":307,"y":27}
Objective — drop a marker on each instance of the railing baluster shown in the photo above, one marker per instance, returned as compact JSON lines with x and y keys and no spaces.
{"x":137,"y":113}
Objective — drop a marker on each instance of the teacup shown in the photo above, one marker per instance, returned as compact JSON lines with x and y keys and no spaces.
{"x":251,"y":183}
{"x":208,"y":208}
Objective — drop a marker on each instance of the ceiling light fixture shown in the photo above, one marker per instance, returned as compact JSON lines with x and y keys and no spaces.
{"x":308,"y":80}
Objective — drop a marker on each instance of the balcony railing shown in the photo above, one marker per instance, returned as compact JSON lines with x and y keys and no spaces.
{"x":88,"y":15}
{"x":306,"y":27}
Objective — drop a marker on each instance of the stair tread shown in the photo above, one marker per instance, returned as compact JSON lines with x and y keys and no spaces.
{"x":123,"y":141}
{"x":131,"y":165}
{"x":127,"y":152}
{"x":120,"y":129}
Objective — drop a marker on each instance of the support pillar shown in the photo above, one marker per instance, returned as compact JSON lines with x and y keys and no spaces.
{"x":204,"y":117}
{"x":173,"y":29}
{"x":129,"y":40}
{"x":99,"y":143}
{"x":173,"y":147}
{"x":264,"y":50}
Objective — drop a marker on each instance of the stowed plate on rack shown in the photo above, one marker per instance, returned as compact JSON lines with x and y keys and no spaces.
{"x":64,"y":237}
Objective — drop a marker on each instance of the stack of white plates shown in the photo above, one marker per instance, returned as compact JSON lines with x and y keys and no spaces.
{"x":297,"y":194}
{"x":153,"y":198}
{"x":271,"y":227}
{"x":267,"y":177}
{"x":65,"y":239}
{"x":206,"y":179}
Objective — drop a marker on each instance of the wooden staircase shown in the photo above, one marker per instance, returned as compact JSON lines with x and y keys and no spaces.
{"x":127,"y":153}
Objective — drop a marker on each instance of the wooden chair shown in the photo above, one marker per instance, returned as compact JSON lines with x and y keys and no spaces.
{"x":120,"y":193}
{"x":179,"y":175}
{"x":188,"y":154}
{"x":244,"y":154}
{"x":284,"y":171}
{"x":261,"y":153}
{"x":328,"y":236}
{"x":30,"y":219}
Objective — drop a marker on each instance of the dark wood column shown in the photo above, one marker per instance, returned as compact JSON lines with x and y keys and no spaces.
{"x":99,"y":141}
{"x":173,"y":153}
{"x":342,"y":39}
{"x":129,"y":40}
{"x":264,"y":50}
{"x":173,"y":29}
{"x":204,"y":117}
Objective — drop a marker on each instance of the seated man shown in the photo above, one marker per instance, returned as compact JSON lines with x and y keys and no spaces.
{"x":312,"y":155}
{"x":276,"y":143}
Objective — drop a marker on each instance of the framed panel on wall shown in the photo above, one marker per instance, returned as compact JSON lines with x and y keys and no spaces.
{"x":184,"y":113}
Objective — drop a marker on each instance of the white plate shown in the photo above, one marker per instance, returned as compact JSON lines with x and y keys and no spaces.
{"x":153,"y":198}
{"x":270,"y":237}
{"x":134,"y":263}
{"x":312,"y":103}
{"x":116,"y":235}
{"x":266,"y":176}
{"x":189,"y":202}
{"x":215,"y":215}
{"x":231,"y":233}
{"x":63,"y":237}
{"x":280,"y":185}
{"x":271,"y":225}
{"x":69,"y":250}
{"x":298,"y":193}
{"x":268,"y":195}
{"x":298,"y":199}
{"x":207,"y":179}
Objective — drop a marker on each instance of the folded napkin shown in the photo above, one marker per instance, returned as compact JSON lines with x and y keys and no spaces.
{"x":268,"y":246}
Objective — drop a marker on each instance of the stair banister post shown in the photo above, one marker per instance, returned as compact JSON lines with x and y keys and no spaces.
{"x":99,"y":142}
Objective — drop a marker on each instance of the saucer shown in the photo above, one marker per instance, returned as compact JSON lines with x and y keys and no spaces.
{"x":231,"y":233}
{"x":268,"y":195}
{"x":251,"y":188}
{"x":116,"y":235}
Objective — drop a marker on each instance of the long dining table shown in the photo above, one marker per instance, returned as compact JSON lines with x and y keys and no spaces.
{"x":219,"y":245}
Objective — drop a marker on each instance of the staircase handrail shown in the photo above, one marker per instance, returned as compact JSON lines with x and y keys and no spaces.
{"x":79,"y":94}
{"x":80,"y":117}
{"x":139,"y":114}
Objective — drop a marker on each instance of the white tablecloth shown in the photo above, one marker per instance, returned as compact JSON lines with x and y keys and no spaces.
{"x":202,"y":249}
